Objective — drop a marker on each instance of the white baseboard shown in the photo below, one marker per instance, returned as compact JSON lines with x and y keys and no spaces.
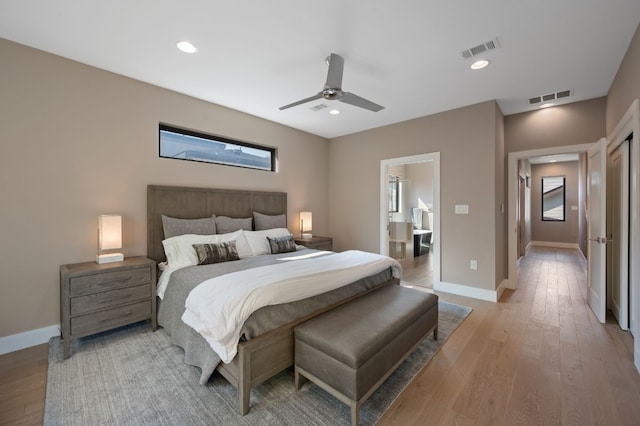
{"x":473,"y":292}
{"x":554,"y":244}
{"x":28,"y":339}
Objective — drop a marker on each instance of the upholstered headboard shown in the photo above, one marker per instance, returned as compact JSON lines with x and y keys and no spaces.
{"x":194,"y":203}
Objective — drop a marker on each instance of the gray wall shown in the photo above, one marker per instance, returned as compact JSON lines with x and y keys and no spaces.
{"x":571,"y":124}
{"x":78,"y":142}
{"x":626,"y":85}
{"x":551,"y":231}
{"x":421,"y":189}
{"x":466,"y":140}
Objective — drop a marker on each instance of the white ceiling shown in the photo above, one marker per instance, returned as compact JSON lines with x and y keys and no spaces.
{"x":256,"y":55}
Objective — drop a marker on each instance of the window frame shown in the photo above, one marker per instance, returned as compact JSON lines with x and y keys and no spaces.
{"x":564,"y":198}
{"x":394,"y":194}
{"x":215,"y":139}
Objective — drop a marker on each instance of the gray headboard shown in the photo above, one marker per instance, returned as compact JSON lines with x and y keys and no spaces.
{"x":194,"y":203}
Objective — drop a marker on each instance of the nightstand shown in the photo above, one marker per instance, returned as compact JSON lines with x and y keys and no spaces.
{"x":95,"y":298}
{"x":318,"y":243}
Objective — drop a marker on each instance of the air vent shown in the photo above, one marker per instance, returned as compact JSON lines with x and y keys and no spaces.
{"x":319,"y":107}
{"x":549,"y":97}
{"x":479,"y":49}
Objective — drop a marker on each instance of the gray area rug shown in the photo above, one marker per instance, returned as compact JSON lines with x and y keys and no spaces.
{"x":132,"y":376}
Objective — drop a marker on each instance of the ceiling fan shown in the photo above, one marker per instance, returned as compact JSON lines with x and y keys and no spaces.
{"x":333,"y":88}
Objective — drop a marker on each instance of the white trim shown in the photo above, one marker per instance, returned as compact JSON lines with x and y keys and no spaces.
{"x":473,"y":292}
{"x":554,"y":244}
{"x":630,"y":123}
{"x":384,"y":187}
{"x":28,"y":339}
{"x":512,"y":181}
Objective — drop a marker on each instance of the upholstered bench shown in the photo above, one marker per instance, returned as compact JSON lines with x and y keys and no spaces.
{"x":351,"y":350}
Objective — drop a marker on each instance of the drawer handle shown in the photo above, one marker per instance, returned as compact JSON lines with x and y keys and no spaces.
{"x":118,"y":281}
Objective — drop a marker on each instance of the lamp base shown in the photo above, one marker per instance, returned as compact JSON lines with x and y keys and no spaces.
{"x":109,"y":258}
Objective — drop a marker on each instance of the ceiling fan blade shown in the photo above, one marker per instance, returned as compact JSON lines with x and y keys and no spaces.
{"x":334,"y":75}
{"x":351,"y":99}
{"x":303,"y":101}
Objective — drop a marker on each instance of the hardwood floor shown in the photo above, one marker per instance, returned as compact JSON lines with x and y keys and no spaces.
{"x":418,"y":270}
{"x":23,"y":381}
{"x":538,"y":356}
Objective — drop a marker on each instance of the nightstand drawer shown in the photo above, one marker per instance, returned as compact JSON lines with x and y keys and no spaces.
{"x":105,"y":320}
{"x":320,"y":245}
{"x":109,"y":280}
{"x":106,"y":299}
{"x":316,"y":243}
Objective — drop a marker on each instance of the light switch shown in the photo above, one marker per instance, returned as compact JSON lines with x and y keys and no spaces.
{"x":462,"y":209}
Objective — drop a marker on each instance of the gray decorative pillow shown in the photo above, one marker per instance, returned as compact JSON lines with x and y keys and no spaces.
{"x":265,"y":221}
{"x":282,"y":244}
{"x":174,"y":227}
{"x":216,"y":253}
{"x":225,"y":224}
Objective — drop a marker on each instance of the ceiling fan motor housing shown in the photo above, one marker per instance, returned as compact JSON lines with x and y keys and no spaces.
{"x":331,"y":94}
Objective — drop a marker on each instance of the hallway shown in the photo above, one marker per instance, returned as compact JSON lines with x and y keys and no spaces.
{"x":539,"y":356}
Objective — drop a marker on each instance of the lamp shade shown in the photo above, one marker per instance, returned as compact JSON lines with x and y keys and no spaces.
{"x":109,"y":238}
{"x":109,"y":232}
{"x":306,"y":224}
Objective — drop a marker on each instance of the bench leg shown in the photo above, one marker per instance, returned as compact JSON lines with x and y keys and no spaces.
{"x":299,"y":378}
{"x":435,"y":333}
{"x":355,"y":413}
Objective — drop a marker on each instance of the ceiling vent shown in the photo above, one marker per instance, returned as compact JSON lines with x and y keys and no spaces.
{"x":319,"y":107}
{"x":549,"y":97}
{"x":480,"y":49}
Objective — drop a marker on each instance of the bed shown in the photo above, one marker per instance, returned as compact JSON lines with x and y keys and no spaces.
{"x":266,"y":348}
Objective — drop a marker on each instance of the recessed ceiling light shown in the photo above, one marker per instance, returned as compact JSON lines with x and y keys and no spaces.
{"x":547,"y":105}
{"x":478,"y":65}
{"x":334,"y":112}
{"x":553,"y":161}
{"x":186,"y":47}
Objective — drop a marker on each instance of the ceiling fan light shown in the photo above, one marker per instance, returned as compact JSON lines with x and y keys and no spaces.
{"x":478,"y":65}
{"x":186,"y":47}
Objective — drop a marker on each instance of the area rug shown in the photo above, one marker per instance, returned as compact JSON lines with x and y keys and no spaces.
{"x":132,"y":376}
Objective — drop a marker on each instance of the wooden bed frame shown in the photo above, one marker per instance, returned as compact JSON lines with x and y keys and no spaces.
{"x":264,"y":356}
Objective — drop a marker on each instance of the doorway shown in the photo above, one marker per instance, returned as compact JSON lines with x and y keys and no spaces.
{"x":629,"y":124}
{"x":618,"y":233}
{"x":415,"y":211}
{"x":519,"y":212}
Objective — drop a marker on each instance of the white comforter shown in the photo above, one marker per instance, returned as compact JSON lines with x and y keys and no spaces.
{"x":218,"y":307}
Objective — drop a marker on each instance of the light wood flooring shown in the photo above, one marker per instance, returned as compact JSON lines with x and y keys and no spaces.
{"x":538,"y":357}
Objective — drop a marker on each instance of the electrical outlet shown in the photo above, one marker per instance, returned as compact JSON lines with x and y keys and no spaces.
{"x":473,"y":264}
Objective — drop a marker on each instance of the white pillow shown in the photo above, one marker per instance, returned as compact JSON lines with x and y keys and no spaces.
{"x":180,"y":251}
{"x":258,"y":239}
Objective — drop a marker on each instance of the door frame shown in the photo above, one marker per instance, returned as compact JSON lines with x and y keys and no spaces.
{"x":384,"y":194}
{"x":513,"y":178}
{"x":630,"y":123}
{"x":621,"y":239}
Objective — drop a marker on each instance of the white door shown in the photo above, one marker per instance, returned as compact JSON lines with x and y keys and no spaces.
{"x":597,"y":226}
{"x":619,"y":234}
